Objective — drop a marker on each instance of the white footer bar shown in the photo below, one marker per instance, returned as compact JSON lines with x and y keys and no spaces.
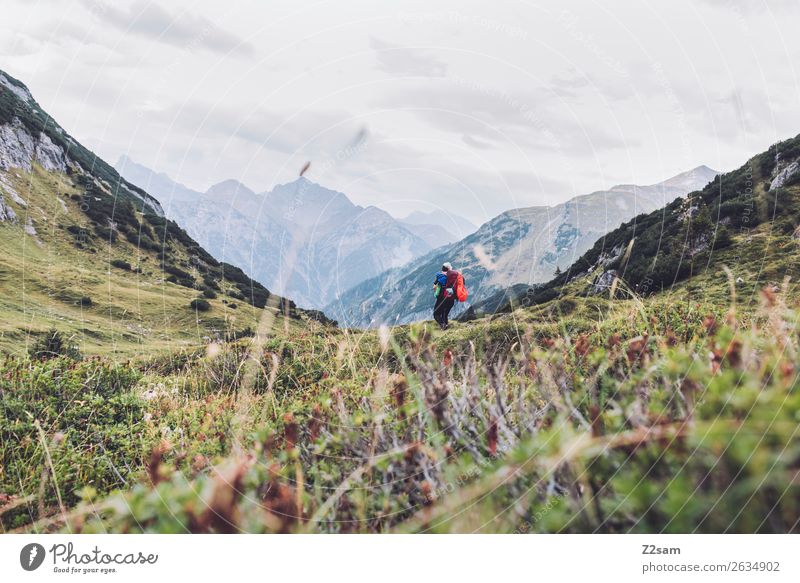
{"x":400,"y":558}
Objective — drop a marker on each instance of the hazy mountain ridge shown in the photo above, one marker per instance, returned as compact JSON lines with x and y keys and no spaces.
{"x":519,"y":246}
{"x":749,"y":209}
{"x":300,"y":237}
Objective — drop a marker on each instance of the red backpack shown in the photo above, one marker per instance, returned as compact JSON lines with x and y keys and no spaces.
{"x":460,"y":289}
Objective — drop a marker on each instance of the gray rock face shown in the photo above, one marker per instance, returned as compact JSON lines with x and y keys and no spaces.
{"x":7,"y":214}
{"x":608,"y":258}
{"x":604,"y":281}
{"x":29,"y":228}
{"x":18,"y":149}
{"x":5,"y":185}
{"x":784,"y":175}
{"x":49,"y":155}
{"x":21,"y":147}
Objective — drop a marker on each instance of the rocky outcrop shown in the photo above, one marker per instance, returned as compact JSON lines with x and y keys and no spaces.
{"x":607,"y":259}
{"x":29,"y":228}
{"x":8,"y":188}
{"x":784,"y":175}
{"x":604,"y":282}
{"x":19,"y":149}
{"x":49,"y":155}
{"x":7,"y":214}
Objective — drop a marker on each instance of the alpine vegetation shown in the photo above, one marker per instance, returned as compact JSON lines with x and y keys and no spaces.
{"x":295,"y":358}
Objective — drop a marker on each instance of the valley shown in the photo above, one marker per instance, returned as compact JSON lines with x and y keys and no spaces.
{"x":650,"y":386}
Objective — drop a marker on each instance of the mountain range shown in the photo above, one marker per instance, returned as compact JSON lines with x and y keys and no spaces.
{"x":311,"y":243}
{"x":89,"y":251}
{"x":522,"y":246}
{"x":308,"y":241}
{"x":746,"y":221}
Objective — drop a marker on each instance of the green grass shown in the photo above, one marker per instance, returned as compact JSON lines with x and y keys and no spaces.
{"x":45,"y":277}
{"x":624,"y":416}
{"x":675,"y":412}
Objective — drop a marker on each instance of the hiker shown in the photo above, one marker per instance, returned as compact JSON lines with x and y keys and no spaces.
{"x":448,"y":287}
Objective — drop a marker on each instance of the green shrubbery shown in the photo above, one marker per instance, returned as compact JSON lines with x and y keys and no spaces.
{"x":669,"y":417}
{"x":53,"y":344}
{"x":676,"y":242}
{"x":121,"y":264}
{"x":200,"y":305}
{"x":84,"y":416}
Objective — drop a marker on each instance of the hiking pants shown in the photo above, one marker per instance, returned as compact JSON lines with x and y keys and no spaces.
{"x":441,"y":310}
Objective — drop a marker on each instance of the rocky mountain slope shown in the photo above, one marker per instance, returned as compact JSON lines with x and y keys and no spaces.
{"x":306,"y":240}
{"x":90,"y":253}
{"x":746,"y":220}
{"x":521,"y":246}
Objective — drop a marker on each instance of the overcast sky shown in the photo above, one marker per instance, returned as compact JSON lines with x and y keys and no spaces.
{"x":472,"y":106}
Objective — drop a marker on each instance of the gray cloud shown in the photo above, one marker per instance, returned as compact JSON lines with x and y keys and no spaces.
{"x":406,"y":62}
{"x":281,"y":132}
{"x":473,"y":142}
{"x":18,"y":45}
{"x":491,"y":117}
{"x":753,"y":5}
{"x":460,"y":109}
{"x":182,"y":29}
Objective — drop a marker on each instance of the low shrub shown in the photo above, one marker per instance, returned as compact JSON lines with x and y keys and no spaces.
{"x":121,"y":264}
{"x":53,"y":344}
{"x":200,"y":305}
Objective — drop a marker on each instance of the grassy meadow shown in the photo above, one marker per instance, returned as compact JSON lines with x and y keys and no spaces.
{"x":616,"y":412}
{"x":108,"y":299}
{"x":582,"y":415}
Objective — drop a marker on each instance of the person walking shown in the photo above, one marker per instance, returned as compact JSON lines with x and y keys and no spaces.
{"x":445,"y":288}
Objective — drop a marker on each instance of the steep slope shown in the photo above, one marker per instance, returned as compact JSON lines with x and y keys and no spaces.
{"x":520,"y":246}
{"x":745,"y":220}
{"x":28,"y":134}
{"x":88,"y":252}
{"x":301,"y":238}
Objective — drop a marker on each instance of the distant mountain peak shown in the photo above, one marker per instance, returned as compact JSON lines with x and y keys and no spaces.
{"x":300,"y":181}
{"x":692,"y":179}
{"x":333,"y":243}
{"x":302,"y":191}
{"x":451,"y":222}
{"x":127,"y":163}
{"x":230,"y":187}
{"x":689,"y":180}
